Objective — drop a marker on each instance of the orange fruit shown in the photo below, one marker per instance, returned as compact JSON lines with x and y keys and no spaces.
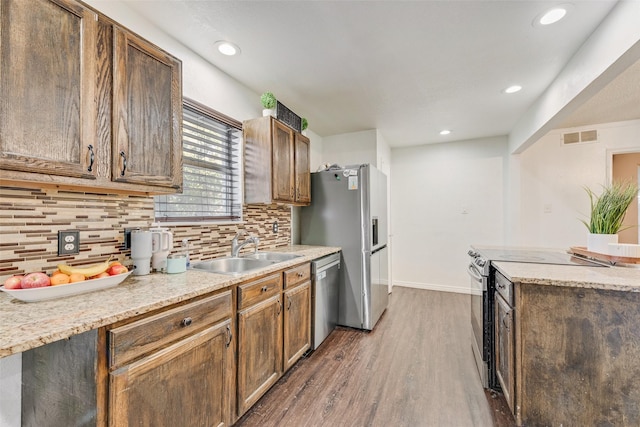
{"x":56,"y":272}
{"x":59,"y":279}
{"x":77,"y":277}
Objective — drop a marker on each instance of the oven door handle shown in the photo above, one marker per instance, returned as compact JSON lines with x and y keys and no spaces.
{"x":474,"y":273}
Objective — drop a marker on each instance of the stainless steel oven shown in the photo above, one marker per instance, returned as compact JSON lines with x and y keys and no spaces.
{"x":481,"y":316}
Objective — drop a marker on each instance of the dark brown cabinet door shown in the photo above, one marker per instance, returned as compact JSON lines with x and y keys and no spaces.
{"x":505,"y":356}
{"x":185,"y":384}
{"x":47,"y":87}
{"x":303,"y":178}
{"x":147,"y":118}
{"x":259,"y":350}
{"x":283,"y":163}
{"x":297,"y":323}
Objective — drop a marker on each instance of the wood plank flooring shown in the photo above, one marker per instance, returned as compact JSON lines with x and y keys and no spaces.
{"x":415,"y":369}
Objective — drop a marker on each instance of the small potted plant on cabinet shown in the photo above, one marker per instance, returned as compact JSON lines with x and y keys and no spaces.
{"x":305,"y":125}
{"x":268,"y":103}
{"x":607,"y":213}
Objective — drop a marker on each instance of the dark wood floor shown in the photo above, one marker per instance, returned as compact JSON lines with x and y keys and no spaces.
{"x":415,"y":369}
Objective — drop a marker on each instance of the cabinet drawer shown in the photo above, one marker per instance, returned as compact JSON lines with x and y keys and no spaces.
{"x":505,"y":288}
{"x":297,"y":275}
{"x":142,"y":336}
{"x":254,"y":292}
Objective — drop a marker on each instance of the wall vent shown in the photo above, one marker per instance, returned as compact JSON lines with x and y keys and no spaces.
{"x":580,"y":137}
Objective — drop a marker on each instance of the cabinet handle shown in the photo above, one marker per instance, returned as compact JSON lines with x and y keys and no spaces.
{"x":91,"y":158}
{"x":124,"y":163}
{"x":229,"y":335}
{"x":265,"y":289}
{"x":289,"y":305}
{"x":186,"y":322}
{"x":300,"y":274}
{"x":504,"y":320}
{"x":279,"y":307}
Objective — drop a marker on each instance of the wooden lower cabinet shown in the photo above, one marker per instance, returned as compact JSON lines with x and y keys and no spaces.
{"x":505,"y":347}
{"x":297,"y":323}
{"x":174,"y":368}
{"x":184,"y":384}
{"x":259,"y":350}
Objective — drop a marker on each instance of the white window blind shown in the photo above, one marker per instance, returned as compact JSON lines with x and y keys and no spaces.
{"x":211,"y":168}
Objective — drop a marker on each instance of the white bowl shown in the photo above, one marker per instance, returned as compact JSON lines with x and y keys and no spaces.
{"x":628,"y":250}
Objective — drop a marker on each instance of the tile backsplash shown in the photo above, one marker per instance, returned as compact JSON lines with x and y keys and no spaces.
{"x":30,"y":221}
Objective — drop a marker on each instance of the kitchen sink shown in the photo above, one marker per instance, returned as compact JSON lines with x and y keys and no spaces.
{"x":270,"y":256}
{"x":232,"y":265}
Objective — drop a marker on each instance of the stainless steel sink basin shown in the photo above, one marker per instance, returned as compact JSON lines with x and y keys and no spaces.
{"x":270,"y":256}
{"x":232,"y":265}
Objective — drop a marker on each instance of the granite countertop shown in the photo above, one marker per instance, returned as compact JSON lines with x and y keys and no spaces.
{"x":29,"y":325}
{"x":626,"y":279}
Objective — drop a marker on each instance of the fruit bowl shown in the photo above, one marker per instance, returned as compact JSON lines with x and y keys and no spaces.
{"x":58,"y":291}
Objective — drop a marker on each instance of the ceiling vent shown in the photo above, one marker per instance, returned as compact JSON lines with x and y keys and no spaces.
{"x":579,"y":137}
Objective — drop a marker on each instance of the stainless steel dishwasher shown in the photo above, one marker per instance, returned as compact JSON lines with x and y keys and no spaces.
{"x":324,"y":295}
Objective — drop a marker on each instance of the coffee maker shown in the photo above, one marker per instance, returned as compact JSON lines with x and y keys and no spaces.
{"x":161,"y":243}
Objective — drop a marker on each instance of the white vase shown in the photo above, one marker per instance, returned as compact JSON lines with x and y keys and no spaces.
{"x":269,"y":112}
{"x":600,"y":242}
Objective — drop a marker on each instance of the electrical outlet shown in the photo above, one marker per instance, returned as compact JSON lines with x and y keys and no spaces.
{"x":68,"y":242}
{"x":275,"y":226}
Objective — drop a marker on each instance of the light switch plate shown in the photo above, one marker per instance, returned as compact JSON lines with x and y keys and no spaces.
{"x":68,"y":242}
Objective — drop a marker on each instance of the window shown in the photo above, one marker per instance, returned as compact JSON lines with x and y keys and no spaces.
{"x":211,"y":172}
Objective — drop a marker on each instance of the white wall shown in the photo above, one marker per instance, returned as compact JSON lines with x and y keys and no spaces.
{"x":552,"y":178}
{"x":610,"y":49}
{"x":432,"y":187}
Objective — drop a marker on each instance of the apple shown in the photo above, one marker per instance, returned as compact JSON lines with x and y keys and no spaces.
{"x":13,"y":282}
{"x":117,"y":269}
{"x":35,"y":280}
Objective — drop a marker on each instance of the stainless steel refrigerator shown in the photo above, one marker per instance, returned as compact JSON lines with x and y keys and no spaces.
{"x":349,"y":209}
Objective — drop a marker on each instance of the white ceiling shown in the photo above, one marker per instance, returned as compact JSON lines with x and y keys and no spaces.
{"x":406,"y":68}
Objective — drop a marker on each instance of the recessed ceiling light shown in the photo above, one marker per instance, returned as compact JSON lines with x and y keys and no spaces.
{"x":445,"y":132}
{"x":227,"y":48}
{"x":513,"y":89}
{"x":553,"y":15}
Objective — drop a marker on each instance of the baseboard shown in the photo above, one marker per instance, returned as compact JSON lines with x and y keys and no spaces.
{"x":434,"y":287}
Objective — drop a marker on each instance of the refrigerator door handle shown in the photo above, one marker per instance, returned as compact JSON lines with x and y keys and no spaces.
{"x":378,"y":249}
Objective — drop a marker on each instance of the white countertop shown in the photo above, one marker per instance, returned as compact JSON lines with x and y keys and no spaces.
{"x":29,"y":325}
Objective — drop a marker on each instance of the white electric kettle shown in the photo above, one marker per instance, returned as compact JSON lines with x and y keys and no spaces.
{"x":162,"y":243}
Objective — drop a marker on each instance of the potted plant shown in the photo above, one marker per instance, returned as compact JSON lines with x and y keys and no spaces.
{"x":268,"y":103}
{"x":607,"y":213}
{"x":305,"y":125}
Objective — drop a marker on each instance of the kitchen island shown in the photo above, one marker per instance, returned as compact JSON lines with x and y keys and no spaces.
{"x":568,"y":344}
{"x":112,"y":356}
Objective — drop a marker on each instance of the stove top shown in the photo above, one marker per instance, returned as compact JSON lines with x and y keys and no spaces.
{"x":533,"y":256}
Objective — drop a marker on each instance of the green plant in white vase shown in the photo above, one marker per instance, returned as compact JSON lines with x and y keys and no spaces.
{"x":268,"y":100}
{"x":607,"y":213}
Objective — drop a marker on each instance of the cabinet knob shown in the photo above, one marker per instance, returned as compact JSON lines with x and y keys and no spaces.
{"x":265,"y":289}
{"x":300,"y":274}
{"x":186,"y":322}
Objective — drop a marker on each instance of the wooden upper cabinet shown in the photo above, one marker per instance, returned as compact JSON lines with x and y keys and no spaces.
{"x":283,"y":163}
{"x":147,"y":113}
{"x":276,"y":160}
{"x":85,"y":103}
{"x":47,"y":87}
{"x":303,"y":177}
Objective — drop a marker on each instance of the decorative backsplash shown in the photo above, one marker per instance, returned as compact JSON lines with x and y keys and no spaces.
{"x":30,"y":221}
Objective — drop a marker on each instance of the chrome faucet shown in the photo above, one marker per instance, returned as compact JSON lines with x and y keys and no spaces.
{"x":235,"y":246}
